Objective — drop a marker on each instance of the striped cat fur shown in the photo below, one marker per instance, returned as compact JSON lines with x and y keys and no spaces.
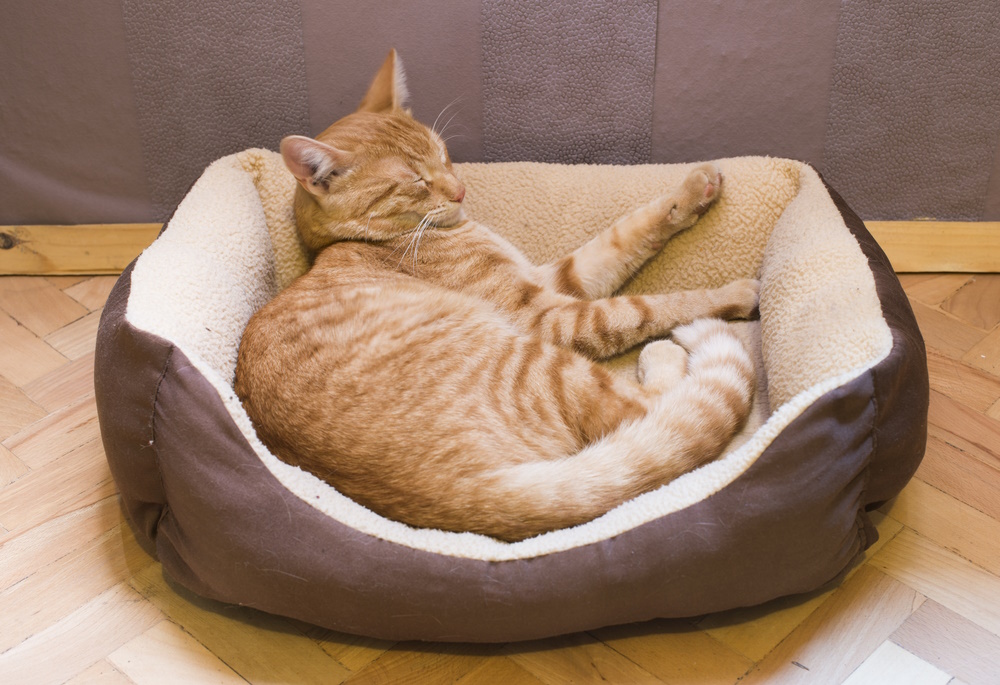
{"x":426,"y":369}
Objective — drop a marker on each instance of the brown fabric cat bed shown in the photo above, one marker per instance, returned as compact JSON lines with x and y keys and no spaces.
{"x":841,"y":427}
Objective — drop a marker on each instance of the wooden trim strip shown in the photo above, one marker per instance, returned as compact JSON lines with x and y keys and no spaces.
{"x":72,"y":250}
{"x":912,"y":246}
{"x":939,"y":246}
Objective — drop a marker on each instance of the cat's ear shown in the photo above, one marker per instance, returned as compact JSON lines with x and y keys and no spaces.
{"x":313,"y":163}
{"x":388,"y":89}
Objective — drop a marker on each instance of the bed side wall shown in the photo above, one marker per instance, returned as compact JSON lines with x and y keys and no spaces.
{"x":128,"y":367}
{"x":901,"y":382}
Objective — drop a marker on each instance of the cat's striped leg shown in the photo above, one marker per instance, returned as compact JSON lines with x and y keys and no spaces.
{"x":601,"y":266}
{"x":610,"y":326}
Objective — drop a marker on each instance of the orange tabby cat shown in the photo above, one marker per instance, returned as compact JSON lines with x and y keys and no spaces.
{"x":426,"y":369}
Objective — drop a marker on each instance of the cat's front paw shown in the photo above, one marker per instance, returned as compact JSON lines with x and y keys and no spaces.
{"x":700,"y":189}
{"x":739,"y":299}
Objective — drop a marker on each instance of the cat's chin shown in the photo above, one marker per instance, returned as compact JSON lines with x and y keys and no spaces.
{"x":451,"y":219}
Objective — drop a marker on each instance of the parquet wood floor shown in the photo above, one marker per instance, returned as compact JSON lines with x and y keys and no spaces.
{"x":80,"y":602}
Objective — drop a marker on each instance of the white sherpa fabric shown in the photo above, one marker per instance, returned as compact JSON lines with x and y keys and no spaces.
{"x":232,"y":245}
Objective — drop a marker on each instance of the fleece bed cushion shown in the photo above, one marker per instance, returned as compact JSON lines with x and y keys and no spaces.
{"x":839,"y":430}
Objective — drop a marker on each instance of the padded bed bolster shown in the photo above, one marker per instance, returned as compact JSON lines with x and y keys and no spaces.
{"x":902,"y":384}
{"x":128,"y":366}
{"x":731,"y":549}
{"x":793,"y":521}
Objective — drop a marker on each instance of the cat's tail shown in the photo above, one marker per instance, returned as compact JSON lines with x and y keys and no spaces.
{"x":686,"y":427}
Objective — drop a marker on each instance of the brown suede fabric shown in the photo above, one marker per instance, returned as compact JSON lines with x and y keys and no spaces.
{"x":224,"y":527}
{"x":902,"y":386}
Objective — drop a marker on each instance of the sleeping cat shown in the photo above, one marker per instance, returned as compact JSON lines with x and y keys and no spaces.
{"x":426,"y":369}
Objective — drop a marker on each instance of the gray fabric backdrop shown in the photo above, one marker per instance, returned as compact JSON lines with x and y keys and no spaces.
{"x":109,"y":109}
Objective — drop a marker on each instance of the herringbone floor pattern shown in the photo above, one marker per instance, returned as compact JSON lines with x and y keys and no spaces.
{"x":81,"y":603}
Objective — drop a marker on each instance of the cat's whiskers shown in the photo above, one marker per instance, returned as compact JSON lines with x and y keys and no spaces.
{"x":368,"y":225}
{"x":438,"y":117}
{"x":417,"y":235}
{"x":446,"y":124}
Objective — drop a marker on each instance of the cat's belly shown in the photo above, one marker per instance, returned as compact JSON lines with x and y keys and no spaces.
{"x":395,"y":375}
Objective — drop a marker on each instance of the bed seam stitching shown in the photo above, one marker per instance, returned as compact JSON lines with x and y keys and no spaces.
{"x":152,"y":432}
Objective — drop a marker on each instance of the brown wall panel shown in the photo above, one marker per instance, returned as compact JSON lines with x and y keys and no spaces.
{"x":913,"y":125}
{"x":439,"y":43}
{"x":212,"y":77}
{"x":568,"y":81}
{"x":69,"y":139}
{"x":743,"y":78}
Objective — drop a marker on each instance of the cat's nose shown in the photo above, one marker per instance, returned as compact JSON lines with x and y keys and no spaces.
{"x":459,"y":193}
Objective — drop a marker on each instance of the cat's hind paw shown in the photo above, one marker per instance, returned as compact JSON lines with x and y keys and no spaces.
{"x":662,"y":363}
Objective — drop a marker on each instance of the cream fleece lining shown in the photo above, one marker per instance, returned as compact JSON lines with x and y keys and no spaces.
{"x":232,"y":245}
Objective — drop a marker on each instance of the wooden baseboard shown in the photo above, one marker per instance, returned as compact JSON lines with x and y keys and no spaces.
{"x":912,"y":246}
{"x":921,"y":246}
{"x":72,"y":250}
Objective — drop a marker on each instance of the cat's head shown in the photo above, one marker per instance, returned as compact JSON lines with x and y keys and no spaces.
{"x":375,"y":174}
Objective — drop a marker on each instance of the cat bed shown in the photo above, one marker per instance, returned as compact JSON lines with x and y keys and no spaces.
{"x":839,"y":427}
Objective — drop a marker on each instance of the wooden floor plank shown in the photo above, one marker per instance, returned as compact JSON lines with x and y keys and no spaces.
{"x":11,"y":468}
{"x":77,"y":479}
{"x":950,"y":523}
{"x":23,"y":554}
{"x":425,"y":664}
{"x":352,"y":651}
{"x":890,"y":664}
{"x":68,"y":584}
{"x":25,"y":356}
{"x":38,"y":305}
{"x":78,"y":643}
{"x":577,"y":658}
{"x":977,"y":302}
{"x":943,"y":576}
{"x":933,"y":289}
{"x":77,"y":339}
{"x":962,"y":476}
{"x":260,"y":647}
{"x":93,"y":292}
{"x":62,"y":282}
{"x":836,"y":638}
{"x":17,"y":409}
{"x":675,"y":652}
{"x":985,"y":354}
{"x":944,"y":332}
{"x":962,"y":382}
{"x":101,"y":673}
{"x":755,"y":631}
{"x":165,"y":653}
{"x":65,"y":385}
{"x":57,"y":434}
{"x":967,"y":429}
{"x":994,"y":411}
{"x":498,"y":670}
{"x":952,"y":643}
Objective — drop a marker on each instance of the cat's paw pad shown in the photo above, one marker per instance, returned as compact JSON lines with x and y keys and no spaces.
{"x":699,"y":190}
{"x":740,"y":299}
{"x":661,"y":364}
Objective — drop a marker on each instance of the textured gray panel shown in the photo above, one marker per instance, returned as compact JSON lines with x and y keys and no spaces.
{"x":212,"y":77}
{"x":439,"y":43}
{"x":991,"y":211}
{"x":69,"y":138}
{"x":568,"y":81}
{"x":743,"y":78}
{"x":914,"y":107}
